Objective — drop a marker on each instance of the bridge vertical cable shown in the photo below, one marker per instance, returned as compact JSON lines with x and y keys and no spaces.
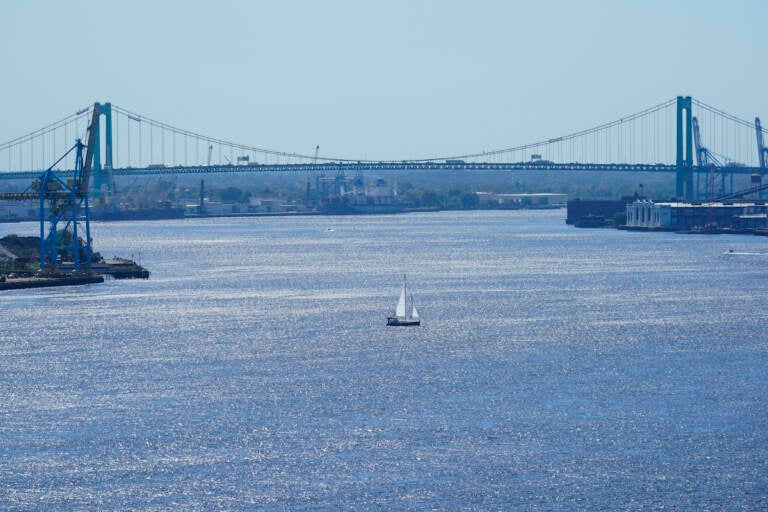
{"x":729,"y":138}
{"x":645,"y":137}
{"x":219,"y":151}
{"x":31,"y":152}
{"x":626,"y":140}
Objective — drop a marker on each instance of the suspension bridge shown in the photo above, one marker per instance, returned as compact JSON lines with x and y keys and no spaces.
{"x":684,"y":136}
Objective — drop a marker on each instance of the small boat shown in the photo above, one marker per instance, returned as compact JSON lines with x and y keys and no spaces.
{"x":401,"y":319}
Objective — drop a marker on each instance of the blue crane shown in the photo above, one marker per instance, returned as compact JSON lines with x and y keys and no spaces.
{"x":67,"y":201}
{"x":62,"y":205}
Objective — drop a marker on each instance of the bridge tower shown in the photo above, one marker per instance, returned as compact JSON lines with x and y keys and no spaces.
{"x":102,"y":175}
{"x":684,"y":163}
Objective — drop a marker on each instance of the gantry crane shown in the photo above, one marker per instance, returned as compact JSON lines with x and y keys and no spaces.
{"x":65,"y":202}
{"x":706,"y":160}
{"x":701,"y":152}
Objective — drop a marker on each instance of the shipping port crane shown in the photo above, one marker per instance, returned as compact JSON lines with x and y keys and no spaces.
{"x":701,"y":151}
{"x":757,"y":186}
{"x":62,"y":205}
{"x":706,"y":160}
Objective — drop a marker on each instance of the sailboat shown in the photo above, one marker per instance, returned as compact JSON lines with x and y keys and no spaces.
{"x":401,"y":319}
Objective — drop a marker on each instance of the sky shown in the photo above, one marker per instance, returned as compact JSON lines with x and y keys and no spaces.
{"x":383,"y":80}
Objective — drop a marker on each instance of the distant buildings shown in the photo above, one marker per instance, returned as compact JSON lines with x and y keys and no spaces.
{"x":19,"y":210}
{"x":342,"y":195}
{"x":515,"y":201}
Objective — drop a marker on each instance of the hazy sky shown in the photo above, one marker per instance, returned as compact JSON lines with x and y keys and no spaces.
{"x":379,"y":79}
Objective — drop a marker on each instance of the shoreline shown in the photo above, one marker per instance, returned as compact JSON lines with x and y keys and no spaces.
{"x":301,"y":214}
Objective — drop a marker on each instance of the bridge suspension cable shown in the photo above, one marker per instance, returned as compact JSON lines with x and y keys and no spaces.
{"x":27,"y":161}
{"x":731,"y":139}
{"x":80,"y":114}
{"x":634,"y":142}
{"x":645,"y":137}
{"x":726,"y":115}
{"x":571,"y":136}
{"x":152,"y":123}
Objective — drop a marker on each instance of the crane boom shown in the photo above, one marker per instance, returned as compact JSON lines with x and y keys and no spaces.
{"x":701,"y":152}
{"x":762,"y":151}
{"x":82,"y":180}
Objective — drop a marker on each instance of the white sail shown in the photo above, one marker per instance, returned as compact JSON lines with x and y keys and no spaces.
{"x":400,"y":310}
{"x":400,"y":318}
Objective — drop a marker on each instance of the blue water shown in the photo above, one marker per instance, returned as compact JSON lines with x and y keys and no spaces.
{"x":555,"y":369}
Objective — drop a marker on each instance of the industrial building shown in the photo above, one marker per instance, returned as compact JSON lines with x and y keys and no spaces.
{"x":741,"y":216}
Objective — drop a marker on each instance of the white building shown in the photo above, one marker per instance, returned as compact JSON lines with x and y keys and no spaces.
{"x":646,"y":214}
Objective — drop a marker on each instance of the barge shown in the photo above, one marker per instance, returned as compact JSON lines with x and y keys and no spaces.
{"x":21,"y":283}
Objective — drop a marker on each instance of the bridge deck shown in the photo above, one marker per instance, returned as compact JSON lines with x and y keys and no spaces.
{"x":336,"y":167}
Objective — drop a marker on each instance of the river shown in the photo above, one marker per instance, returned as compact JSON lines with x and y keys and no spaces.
{"x":555,"y":369}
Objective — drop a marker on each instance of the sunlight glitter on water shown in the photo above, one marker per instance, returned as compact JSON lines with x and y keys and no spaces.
{"x":556,"y":369}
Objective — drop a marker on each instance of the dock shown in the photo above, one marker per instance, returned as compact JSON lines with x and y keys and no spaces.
{"x":118,"y":268}
{"x":21,"y":283}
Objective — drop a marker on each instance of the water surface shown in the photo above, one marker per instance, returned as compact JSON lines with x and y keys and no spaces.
{"x":555,"y":369}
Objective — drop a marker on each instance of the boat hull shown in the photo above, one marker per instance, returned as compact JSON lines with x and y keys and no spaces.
{"x":394,"y":321}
